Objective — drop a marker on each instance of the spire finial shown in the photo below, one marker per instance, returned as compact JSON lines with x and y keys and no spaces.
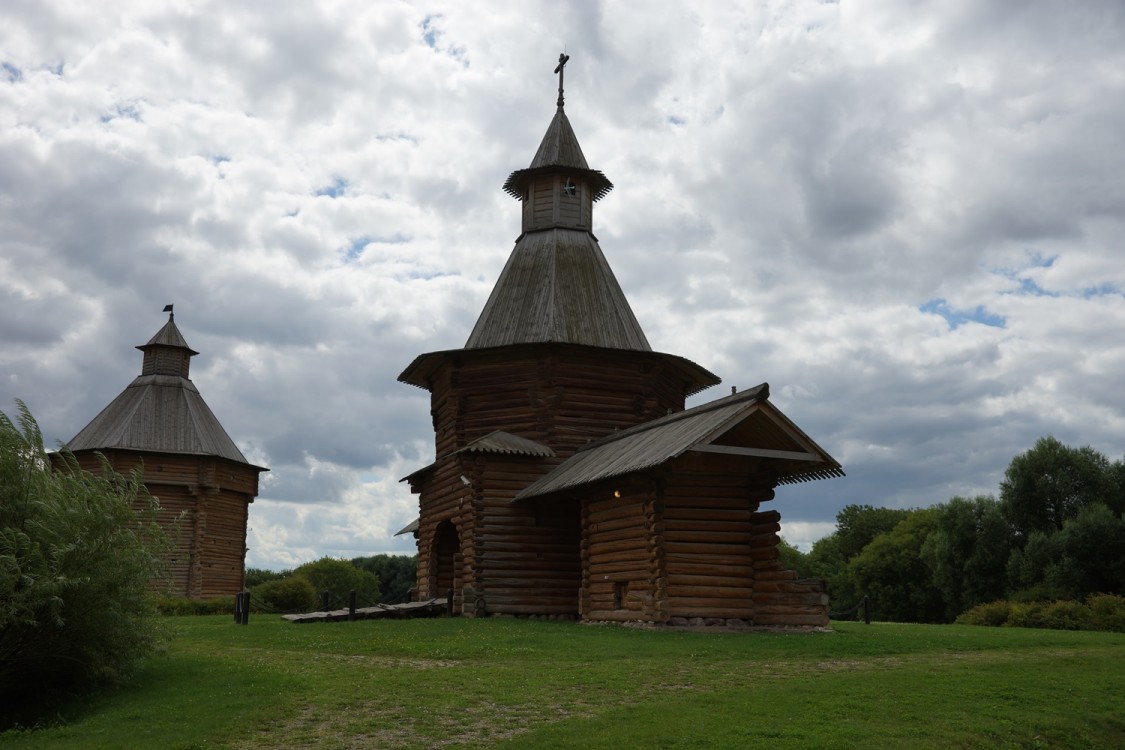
{"x":171,"y":315}
{"x":559,"y":69}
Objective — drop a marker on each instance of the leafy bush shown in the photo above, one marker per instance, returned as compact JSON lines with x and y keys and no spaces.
{"x":1025,"y":615}
{"x":398,"y":574}
{"x":338,"y":578}
{"x":78,"y":555}
{"x":1098,"y":612}
{"x":1108,"y":612}
{"x":179,"y":606}
{"x":292,"y":594}
{"x":1066,"y":615}
{"x":992,"y":614}
{"x":258,"y":576}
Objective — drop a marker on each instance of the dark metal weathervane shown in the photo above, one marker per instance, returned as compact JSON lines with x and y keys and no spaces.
{"x":559,"y":69}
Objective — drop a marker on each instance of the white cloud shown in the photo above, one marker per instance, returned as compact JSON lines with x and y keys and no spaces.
{"x":908,"y":219}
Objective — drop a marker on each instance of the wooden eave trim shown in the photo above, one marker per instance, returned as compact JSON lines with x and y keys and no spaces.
{"x":755,"y":452}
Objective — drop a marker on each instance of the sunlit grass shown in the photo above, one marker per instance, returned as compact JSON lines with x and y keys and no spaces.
{"x":514,"y":683}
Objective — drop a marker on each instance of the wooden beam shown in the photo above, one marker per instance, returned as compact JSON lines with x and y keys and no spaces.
{"x":756,"y":452}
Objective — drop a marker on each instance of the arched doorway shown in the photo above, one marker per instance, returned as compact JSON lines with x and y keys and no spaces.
{"x":447,"y":562}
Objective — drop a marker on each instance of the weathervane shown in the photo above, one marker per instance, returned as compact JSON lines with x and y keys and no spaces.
{"x":168,"y":309}
{"x":559,"y":69}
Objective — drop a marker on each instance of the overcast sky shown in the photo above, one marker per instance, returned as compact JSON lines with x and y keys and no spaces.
{"x":907,"y":217}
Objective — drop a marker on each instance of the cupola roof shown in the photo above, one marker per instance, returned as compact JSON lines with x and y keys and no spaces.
{"x":161,"y":410}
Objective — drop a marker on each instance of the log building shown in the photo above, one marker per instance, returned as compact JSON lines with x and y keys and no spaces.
{"x":569,"y":478}
{"x":203,"y":482}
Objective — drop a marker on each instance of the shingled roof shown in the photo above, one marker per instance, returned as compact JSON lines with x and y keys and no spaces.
{"x":558,"y":287}
{"x":161,"y":410}
{"x":743,"y":424}
{"x":559,"y":150}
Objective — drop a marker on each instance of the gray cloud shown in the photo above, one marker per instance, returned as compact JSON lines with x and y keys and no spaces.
{"x":907,"y":219}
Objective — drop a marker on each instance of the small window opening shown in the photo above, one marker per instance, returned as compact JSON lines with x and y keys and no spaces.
{"x":620,"y":590}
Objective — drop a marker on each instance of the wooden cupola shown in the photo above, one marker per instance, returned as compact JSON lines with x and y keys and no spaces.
{"x":559,"y":188}
{"x":167,"y":353}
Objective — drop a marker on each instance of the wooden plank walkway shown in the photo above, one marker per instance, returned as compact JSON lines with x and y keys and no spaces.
{"x":431,"y":608}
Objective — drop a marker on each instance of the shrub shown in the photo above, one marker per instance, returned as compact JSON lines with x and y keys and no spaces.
{"x":78,"y":556}
{"x":174,"y":605}
{"x":992,"y":614}
{"x":258,"y":576}
{"x":1025,"y":615}
{"x":338,"y":577}
{"x":398,"y":575}
{"x":1060,"y":615}
{"x":284,"y":595}
{"x":1066,"y":615}
{"x":1108,"y":611}
{"x":1098,"y":612}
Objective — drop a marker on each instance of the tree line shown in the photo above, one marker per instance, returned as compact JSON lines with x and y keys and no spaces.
{"x":1055,"y":533}
{"x":376,"y":579}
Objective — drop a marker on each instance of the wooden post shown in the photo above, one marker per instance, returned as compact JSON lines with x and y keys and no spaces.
{"x":323,"y":601}
{"x":867,"y":610}
{"x":351,"y":605}
{"x":242,"y":608}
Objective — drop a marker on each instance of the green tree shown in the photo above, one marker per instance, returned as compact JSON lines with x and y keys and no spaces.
{"x":1035,"y":570}
{"x":1116,"y":500}
{"x":78,"y":557}
{"x":890,"y":570}
{"x":338,"y":578}
{"x":1086,"y":557}
{"x":398,"y":574}
{"x":856,"y":527}
{"x":967,"y":553}
{"x":258,"y":576}
{"x":1050,"y":483}
{"x":284,"y":595}
{"x":1094,"y":544}
{"x":793,"y":558}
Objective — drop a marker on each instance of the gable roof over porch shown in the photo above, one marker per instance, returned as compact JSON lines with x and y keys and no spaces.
{"x":742,"y":424}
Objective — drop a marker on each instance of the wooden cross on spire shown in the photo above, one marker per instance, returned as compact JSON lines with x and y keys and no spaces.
{"x":559,"y":69}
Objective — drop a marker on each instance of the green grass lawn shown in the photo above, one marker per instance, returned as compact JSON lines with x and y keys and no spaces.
{"x":523,"y":684}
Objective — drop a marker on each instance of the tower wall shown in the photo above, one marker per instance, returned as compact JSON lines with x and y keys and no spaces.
{"x":204,"y":506}
{"x":558,"y":395}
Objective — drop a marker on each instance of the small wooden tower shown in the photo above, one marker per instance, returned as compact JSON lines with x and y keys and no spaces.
{"x":514,"y":516}
{"x":161,"y":423}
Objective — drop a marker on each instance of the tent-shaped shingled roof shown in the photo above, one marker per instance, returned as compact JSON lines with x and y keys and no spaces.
{"x":161,"y":410}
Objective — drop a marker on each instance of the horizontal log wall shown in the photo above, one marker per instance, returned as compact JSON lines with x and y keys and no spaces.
{"x":562,"y":397}
{"x":181,"y":469}
{"x":622,"y":567}
{"x":709,"y":540}
{"x":517,"y":559}
{"x":204,"y":506}
{"x":219,"y":562}
{"x":779,"y":597}
{"x":514,"y":558}
{"x":443,"y":497}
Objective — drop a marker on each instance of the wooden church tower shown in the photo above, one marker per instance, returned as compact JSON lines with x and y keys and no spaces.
{"x":569,"y":480}
{"x":161,"y":423}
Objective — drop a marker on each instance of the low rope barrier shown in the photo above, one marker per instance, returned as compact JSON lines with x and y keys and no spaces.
{"x":865,"y":603}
